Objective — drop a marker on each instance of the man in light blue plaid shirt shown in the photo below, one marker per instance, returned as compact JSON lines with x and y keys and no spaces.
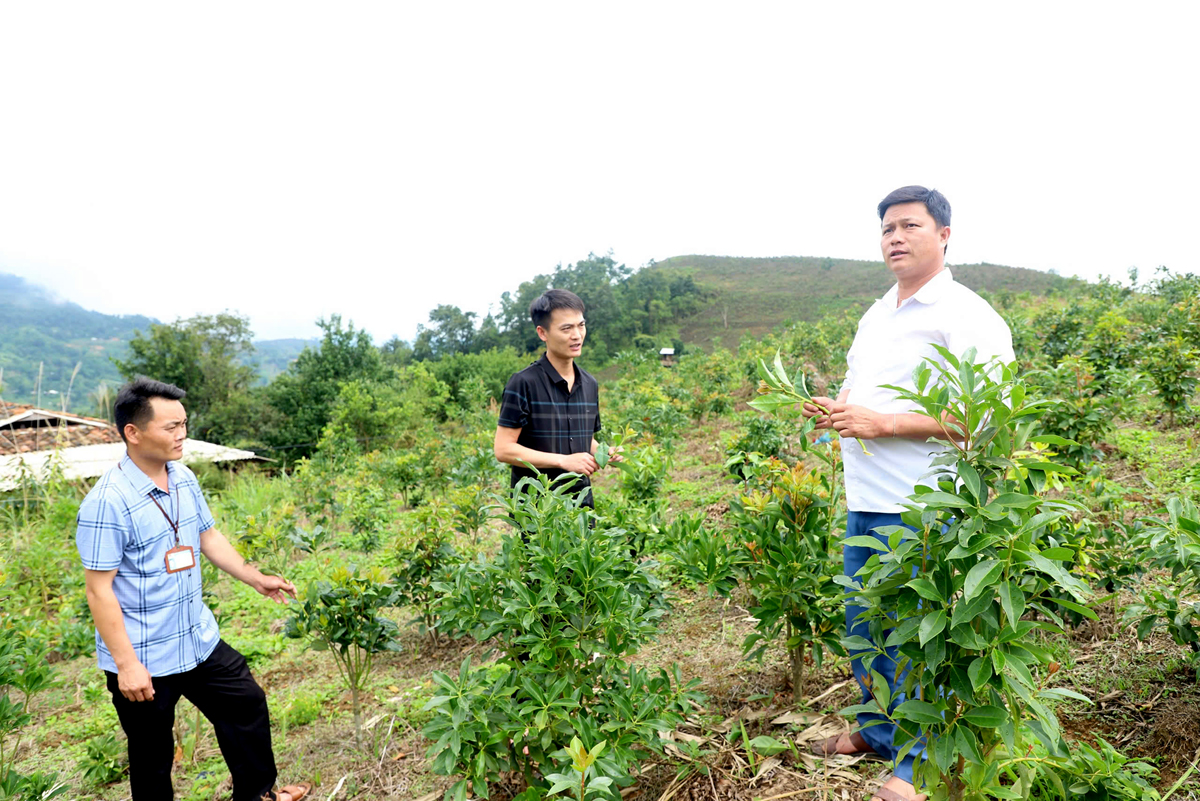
{"x":140,"y":533}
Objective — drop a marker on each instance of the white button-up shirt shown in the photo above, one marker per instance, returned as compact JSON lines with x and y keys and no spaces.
{"x":891,"y":342}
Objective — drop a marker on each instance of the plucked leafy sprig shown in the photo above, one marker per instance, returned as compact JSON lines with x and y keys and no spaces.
{"x":776,"y":390}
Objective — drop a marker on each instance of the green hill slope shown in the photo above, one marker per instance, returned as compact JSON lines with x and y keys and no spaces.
{"x":753,"y":296}
{"x":37,"y":329}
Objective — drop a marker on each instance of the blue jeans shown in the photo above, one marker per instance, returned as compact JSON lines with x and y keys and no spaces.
{"x":881,"y":735}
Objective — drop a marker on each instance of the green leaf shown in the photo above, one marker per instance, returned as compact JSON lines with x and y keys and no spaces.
{"x":979,"y":672}
{"x":982,"y":576}
{"x":940,"y":500}
{"x":1074,"y":607}
{"x":920,"y":712}
{"x":767,"y":746}
{"x":1012,"y":600}
{"x":865,"y":541}
{"x":932,"y":625}
{"x":987,"y":717}
{"x":926,"y":589}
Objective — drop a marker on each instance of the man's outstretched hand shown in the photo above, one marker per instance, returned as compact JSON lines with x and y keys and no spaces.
{"x":276,"y":588}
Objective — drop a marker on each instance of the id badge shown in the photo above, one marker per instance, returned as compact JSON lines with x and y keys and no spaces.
{"x":181,"y":557}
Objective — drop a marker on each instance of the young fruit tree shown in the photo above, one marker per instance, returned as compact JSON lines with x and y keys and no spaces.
{"x":342,"y":616}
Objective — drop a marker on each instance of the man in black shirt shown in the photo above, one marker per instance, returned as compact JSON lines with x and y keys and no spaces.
{"x":551,"y":410}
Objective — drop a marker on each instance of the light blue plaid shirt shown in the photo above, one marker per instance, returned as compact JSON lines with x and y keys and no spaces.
{"x":120,"y":527}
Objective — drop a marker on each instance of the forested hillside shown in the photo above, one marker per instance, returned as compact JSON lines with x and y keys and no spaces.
{"x":38,"y":329}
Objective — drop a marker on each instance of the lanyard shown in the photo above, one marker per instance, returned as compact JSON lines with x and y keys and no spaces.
{"x":173,"y":523}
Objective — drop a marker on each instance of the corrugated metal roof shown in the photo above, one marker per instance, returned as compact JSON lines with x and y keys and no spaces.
{"x":90,"y":461}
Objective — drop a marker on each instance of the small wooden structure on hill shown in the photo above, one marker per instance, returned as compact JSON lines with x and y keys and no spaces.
{"x":667,"y":357}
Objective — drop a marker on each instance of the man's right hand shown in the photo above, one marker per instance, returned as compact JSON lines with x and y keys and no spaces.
{"x":135,"y":683}
{"x":582,"y":463}
{"x":822,"y":419}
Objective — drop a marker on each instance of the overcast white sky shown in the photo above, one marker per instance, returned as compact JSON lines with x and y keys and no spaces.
{"x":291,"y":160}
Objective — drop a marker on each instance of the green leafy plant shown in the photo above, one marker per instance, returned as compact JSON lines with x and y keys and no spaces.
{"x":1171,"y":361}
{"x":565,"y":606}
{"x":23,"y":668}
{"x":104,"y":760}
{"x":583,"y":782}
{"x":952,"y":595}
{"x":342,"y":616}
{"x":791,"y":560}
{"x":1172,"y":544}
{"x":420,"y":562}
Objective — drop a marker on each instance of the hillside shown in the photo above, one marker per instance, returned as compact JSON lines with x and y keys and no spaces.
{"x":753,"y":296}
{"x":36,"y":328}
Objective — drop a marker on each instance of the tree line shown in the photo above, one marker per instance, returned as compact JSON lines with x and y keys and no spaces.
{"x":455,"y":360}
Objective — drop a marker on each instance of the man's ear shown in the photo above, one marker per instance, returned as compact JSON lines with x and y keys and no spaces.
{"x":541,"y":332}
{"x":132,"y":434}
{"x":944,"y":235}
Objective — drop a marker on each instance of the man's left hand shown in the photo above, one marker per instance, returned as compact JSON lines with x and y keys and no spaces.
{"x":859,"y":422}
{"x":275,"y":588}
{"x":614,"y":454}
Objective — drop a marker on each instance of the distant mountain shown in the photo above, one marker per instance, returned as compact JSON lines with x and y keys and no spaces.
{"x":37,"y":330}
{"x":272,"y":356}
{"x":753,"y":296}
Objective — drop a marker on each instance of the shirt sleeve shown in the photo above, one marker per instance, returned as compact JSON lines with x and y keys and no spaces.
{"x":202,"y":511}
{"x":103,"y":531}
{"x":514,"y":407}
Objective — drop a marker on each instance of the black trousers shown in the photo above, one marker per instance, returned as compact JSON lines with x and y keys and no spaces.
{"x":223,"y":690}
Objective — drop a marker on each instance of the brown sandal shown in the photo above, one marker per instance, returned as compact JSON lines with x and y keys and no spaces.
{"x":301,"y":789}
{"x":829,"y":747}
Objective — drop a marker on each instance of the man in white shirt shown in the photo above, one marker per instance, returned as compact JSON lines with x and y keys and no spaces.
{"x":925,"y":307}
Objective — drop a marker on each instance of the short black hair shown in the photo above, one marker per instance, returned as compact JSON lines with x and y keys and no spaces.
{"x":133,"y":401}
{"x":544,"y":305}
{"x":935,"y":202}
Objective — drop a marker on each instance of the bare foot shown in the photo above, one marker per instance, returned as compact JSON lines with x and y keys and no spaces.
{"x":896,"y":789}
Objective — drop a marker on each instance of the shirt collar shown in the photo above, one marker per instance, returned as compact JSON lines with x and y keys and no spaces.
{"x":141,"y":483}
{"x":928,"y":294}
{"x":552,"y":373}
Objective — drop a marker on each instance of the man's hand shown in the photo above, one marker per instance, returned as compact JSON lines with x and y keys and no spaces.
{"x":135,"y":683}
{"x":821,"y":419}
{"x":582,"y":463}
{"x":859,"y":422}
{"x":615,"y":454}
{"x":274,"y":587}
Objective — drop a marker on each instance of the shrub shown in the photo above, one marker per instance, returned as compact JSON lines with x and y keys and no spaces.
{"x":565,"y":605}
{"x":951,"y":595}
{"x":1172,"y":544}
{"x":23,"y":667}
{"x":342,"y":616}
{"x":419,"y":563}
{"x":791,"y":559}
{"x":105,"y":760}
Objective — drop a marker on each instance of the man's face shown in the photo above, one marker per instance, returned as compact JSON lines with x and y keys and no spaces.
{"x":913,"y":243}
{"x":161,"y":438}
{"x":564,"y":334}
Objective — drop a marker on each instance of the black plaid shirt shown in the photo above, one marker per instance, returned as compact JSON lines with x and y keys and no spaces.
{"x":551,"y":419}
